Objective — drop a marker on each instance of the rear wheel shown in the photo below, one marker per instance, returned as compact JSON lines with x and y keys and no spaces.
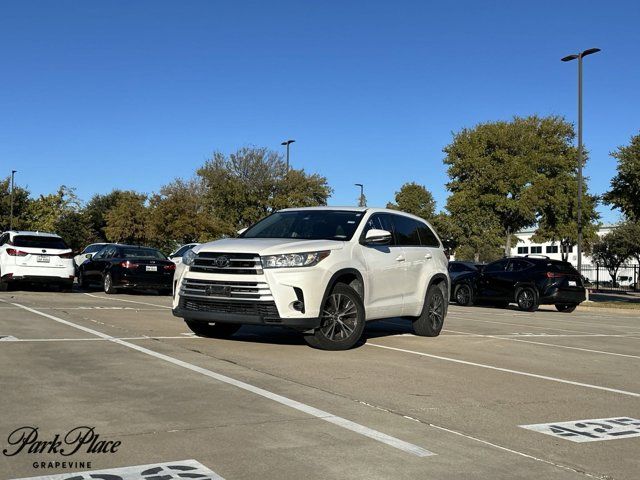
{"x":527,"y":300}
{"x":430,"y":322}
{"x":107,"y":284}
{"x":464,"y":295}
{"x":566,"y":307}
{"x":342,"y":321}
{"x":212,"y":330}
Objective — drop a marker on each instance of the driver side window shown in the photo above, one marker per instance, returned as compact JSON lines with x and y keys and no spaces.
{"x":380,"y":221}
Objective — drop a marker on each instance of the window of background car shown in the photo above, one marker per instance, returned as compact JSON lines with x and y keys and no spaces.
{"x":37,"y":241}
{"x":518,"y":265}
{"x":93,"y":248}
{"x":497,"y":266}
{"x":141,"y":253}
{"x":307,"y":225}
{"x":406,"y":230}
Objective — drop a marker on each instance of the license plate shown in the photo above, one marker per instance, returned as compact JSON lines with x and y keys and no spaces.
{"x":152,"y":268}
{"x":572,"y":283}
{"x":43,"y":259}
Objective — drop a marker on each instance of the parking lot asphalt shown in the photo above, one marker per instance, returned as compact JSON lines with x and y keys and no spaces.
{"x":264,"y":405}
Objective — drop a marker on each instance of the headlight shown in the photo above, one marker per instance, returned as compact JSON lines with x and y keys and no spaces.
{"x":188,"y":257}
{"x":287,"y":260}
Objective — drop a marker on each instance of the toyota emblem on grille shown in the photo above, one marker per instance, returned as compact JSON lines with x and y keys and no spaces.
{"x":222,"y":262}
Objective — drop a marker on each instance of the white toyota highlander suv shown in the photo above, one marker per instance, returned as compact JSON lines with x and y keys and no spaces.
{"x":323,"y":271}
{"x":35,"y":257}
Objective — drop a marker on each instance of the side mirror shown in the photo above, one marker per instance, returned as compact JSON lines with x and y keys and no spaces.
{"x":242,"y":230}
{"x":377,"y":237}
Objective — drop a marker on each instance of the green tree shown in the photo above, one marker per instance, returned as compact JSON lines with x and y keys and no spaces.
{"x":415,"y":199}
{"x":625,"y":186}
{"x":245,"y":186}
{"x":630,"y":232}
{"x":73,"y":227}
{"x":20,"y":206}
{"x":611,"y":252}
{"x":558,"y":207}
{"x":178,"y":215}
{"x":96,"y":212}
{"x":128,"y":219}
{"x":493,"y":170}
{"x":44,"y":212}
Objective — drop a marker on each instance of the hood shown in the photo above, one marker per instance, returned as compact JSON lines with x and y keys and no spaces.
{"x":268,"y":246}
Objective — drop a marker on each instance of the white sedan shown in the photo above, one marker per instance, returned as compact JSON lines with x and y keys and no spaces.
{"x":88,"y":252}
{"x":176,"y":257}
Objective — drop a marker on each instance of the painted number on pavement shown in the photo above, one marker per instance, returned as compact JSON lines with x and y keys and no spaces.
{"x":593,"y":430}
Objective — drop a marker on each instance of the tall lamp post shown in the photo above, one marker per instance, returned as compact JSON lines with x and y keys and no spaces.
{"x":13,"y":174}
{"x":568,"y":58}
{"x":287,"y":143}
{"x":361,"y":202}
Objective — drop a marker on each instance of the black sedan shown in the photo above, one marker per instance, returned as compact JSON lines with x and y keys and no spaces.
{"x":457,"y":268}
{"x":118,"y":267}
{"x":526,"y":281}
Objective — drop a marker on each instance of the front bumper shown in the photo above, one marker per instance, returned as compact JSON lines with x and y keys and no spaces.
{"x":239,"y":312}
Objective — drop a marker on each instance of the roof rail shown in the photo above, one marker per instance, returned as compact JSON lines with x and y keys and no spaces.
{"x":537,"y":255}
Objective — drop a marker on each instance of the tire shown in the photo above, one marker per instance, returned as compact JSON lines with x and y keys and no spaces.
{"x":464,"y":295}
{"x":4,"y":286}
{"x":431,"y":320}
{"x":82,"y":281}
{"x":342,"y":320}
{"x":212,"y":330}
{"x":66,"y":287}
{"x":566,"y":307}
{"x":107,"y":284}
{"x":527,"y":299}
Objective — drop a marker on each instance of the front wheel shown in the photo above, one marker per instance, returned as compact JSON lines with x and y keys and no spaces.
{"x":431,"y":320}
{"x":82,"y":280}
{"x":566,"y":307}
{"x":212,"y":330}
{"x":342,"y":320}
{"x":527,"y":300}
{"x":464,"y":295}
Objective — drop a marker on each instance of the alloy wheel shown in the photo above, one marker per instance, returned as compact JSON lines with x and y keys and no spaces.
{"x":525,"y":299}
{"x":436,"y":310}
{"x":339,"y":317}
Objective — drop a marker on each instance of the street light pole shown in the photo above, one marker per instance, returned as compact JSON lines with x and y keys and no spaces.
{"x":361,"y":202}
{"x":568,"y":58}
{"x":287,"y":143}
{"x":13,"y":173}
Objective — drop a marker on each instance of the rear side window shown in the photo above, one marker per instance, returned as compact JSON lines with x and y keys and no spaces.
{"x":93,"y":248}
{"x":406,"y":230}
{"x":518,"y":265}
{"x":37,"y":241}
{"x":427,"y":237}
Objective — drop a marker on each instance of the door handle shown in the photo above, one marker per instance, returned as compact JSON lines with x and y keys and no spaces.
{"x":428,"y":256}
{"x":400,"y":258}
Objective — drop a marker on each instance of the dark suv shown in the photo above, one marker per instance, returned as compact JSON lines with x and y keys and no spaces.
{"x":528,"y":281}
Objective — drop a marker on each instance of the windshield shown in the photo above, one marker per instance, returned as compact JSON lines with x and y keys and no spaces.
{"x":142,"y":253}
{"x":37,"y":241}
{"x":307,"y":225}
{"x":96,"y":247}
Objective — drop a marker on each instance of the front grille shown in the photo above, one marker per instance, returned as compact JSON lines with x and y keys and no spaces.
{"x":267,"y":310}
{"x":238,"y":263}
{"x":195,"y":287}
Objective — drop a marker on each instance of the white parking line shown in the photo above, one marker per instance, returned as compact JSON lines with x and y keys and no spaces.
{"x":129,"y":301}
{"x":326,"y":416}
{"x":507,"y":370}
{"x":545,"y":344}
{"x":14,"y":339}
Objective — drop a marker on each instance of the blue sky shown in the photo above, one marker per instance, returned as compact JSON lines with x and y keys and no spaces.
{"x":121,"y":94}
